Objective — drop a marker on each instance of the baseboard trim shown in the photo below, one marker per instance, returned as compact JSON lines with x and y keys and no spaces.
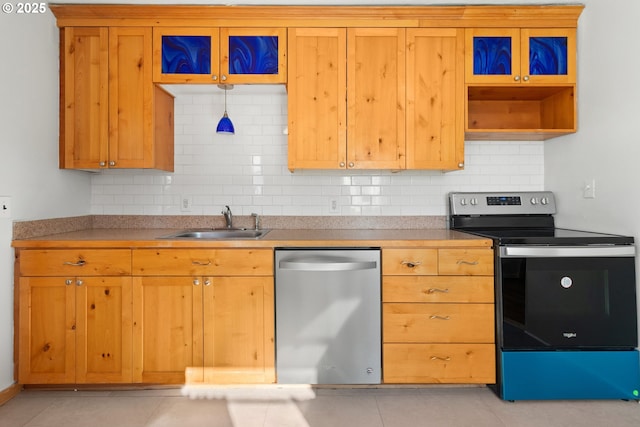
{"x":9,"y":393}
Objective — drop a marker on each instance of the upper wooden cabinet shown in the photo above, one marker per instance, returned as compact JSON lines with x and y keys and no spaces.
{"x":521,"y":56}
{"x":376,"y":98}
{"x":346,"y":98}
{"x":403,"y":89}
{"x":520,"y":83}
{"x":317,"y":98}
{"x":219,"y":55}
{"x":112,"y":116}
{"x":435,"y":98}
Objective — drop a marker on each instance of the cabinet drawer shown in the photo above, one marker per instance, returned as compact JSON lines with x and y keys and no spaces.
{"x":75,"y":262}
{"x":437,"y":323}
{"x":196,"y":262}
{"x":465,"y":262}
{"x":439,"y":363}
{"x":410,"y":261}
{"x":437,"y":289}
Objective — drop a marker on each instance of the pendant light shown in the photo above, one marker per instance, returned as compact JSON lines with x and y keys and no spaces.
{"x":224,"y":125}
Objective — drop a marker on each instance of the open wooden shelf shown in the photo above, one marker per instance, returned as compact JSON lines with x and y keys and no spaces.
{"x":523,"y":112}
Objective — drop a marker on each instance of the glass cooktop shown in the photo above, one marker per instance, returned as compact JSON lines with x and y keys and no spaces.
{"x":551,"y":236}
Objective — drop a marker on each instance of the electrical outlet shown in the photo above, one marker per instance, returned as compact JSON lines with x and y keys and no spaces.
{"x":5,"y":207}
{"x":186,"y":203}
{"x":589,"y":189}
{"x":333,"y":206}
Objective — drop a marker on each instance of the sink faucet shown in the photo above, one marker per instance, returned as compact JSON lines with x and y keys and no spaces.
{"x":228,"y":217}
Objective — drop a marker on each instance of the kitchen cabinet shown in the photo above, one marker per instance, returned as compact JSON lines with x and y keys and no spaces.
{"x":219,"y":55}
{"x":520,"y":83}
{"x":376,"y":98}
{"x":383,"y":104}
{"x":520,"y":56}
{"x":74,"y":316}
{"x":317,"y":107}
{"x":203,"y":315}
{"x":353,"y":77}
{"x":438,"y":315}
{"x":111,"y":114}
{"x":435,"y":98}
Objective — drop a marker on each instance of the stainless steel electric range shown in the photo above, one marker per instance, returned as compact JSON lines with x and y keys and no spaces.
{"x":566,"y":308}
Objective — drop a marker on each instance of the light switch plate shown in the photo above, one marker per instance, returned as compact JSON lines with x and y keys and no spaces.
{"x":5,"y":207}
{"x":589,"y":189}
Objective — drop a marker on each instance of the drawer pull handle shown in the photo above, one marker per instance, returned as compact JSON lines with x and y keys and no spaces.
{"x":435,"y":316}
{"x":434,"y":290}
{"x":445,"y":359}
{"x":411,"y":264}
{"x":201,"y":262}
{"x":461,"y":261}
{"x":80,"y":263}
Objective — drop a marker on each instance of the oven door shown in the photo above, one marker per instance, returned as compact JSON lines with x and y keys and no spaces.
{"x":554,"y":297}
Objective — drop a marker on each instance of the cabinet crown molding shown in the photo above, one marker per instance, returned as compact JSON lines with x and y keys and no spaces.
{"x":530,"y":16}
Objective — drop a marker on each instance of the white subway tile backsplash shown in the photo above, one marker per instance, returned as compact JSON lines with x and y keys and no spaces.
{"x":249,"y":172}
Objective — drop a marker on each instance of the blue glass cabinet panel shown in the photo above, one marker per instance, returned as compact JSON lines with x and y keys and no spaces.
{"x":186,"y":55}
{"x":492,"y":55}
{"x":548,"y":56}
{"x":253,"y":55}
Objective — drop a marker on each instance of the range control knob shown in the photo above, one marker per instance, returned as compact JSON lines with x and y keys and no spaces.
{"x":534,"y":201}
{"x":473,"y":201}
{"x":544,"y":201}
{"x":463,"y":202}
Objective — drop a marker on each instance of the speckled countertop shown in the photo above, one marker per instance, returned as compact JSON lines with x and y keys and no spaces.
{"x":133,"y":231}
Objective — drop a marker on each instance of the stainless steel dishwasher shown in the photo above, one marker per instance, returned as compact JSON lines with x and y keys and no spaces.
{"x":328,"y":316}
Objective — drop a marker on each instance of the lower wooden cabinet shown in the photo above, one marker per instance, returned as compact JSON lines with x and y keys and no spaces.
{"x":75,"y":330}
{"x":74,"y":316}
{"x":438,"y":315}
{"x":203,"y":315}
{"x":203,"y":329}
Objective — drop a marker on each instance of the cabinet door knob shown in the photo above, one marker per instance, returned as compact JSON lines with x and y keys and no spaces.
{"x":351,"y":164}
{"x":460,"y":165}
{"x":103,"y":164}
{"x":68,"y":282}
{"x":196,"y":282}
{"x":516,"y":78}
{"x":223,"y":78}
{"x":525,"y":78}
{"x":214,"y":77}
{"x":79,"y":282}
{"x":112,"y":163}
{"x":207,"y":282}
{"x":342,"y":164}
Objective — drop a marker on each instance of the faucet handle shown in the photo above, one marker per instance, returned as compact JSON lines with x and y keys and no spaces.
{"x":256,"y":218}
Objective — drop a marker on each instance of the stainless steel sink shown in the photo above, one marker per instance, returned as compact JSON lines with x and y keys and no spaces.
{"x":217,"y":234}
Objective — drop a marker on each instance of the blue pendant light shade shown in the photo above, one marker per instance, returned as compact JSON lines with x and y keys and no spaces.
{"x":224,"y":125}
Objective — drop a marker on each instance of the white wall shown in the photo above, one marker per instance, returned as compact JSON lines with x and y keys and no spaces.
{"x":29,"y":149}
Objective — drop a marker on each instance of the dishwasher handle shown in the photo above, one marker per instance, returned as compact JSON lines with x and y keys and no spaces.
{"x":325,"y":264}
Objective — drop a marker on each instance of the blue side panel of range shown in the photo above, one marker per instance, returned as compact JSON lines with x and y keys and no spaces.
{"x":541,"y":375}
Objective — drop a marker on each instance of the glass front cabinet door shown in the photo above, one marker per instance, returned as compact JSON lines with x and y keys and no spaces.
{"x":219,"y":55}
{"x":520,"y":56}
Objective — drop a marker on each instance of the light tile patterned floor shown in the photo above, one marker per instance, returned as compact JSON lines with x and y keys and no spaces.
{"x":441,"y":406}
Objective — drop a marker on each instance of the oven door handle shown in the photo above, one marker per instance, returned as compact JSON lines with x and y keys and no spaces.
{"x":566,"y":251}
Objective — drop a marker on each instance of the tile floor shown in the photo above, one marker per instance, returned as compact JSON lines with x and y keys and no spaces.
{"x":441,"y":406}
